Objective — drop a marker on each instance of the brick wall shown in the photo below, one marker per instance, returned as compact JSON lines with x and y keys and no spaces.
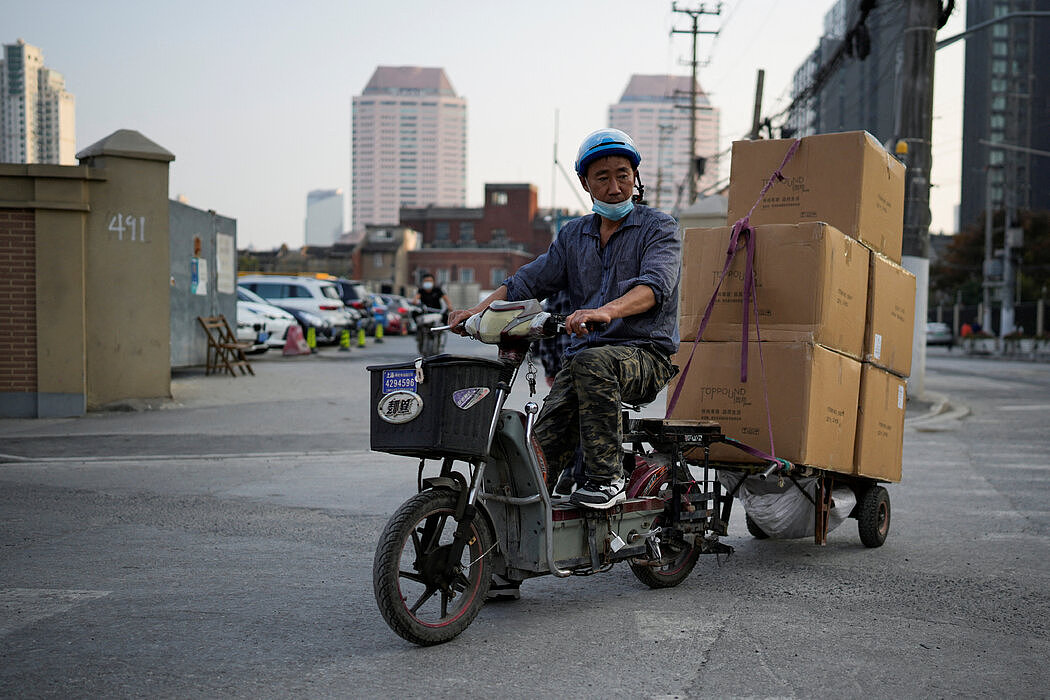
{"x":17,"y":301}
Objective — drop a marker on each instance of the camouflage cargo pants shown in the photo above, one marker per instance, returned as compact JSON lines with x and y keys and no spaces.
{"x":584,"y":406}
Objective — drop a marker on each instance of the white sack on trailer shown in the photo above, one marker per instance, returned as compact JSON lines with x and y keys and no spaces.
{"x":785,"y":512}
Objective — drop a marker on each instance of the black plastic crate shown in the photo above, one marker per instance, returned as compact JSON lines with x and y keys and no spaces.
{"x":458,"y":397}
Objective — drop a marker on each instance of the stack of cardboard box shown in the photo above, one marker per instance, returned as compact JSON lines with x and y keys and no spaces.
{"x":835,"y":309}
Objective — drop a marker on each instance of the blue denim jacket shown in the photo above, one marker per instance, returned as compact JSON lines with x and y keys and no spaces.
{"x":645,"y":250}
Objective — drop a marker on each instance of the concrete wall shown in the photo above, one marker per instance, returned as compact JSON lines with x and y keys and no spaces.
{"x":43,"y":209}
{"x":197,"y":234}
{"x":85,"y":271}
{"x":127,"y":270}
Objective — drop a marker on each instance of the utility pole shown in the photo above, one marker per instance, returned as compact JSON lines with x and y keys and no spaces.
{"x":914,"y":131}
{"x":695,"y":15}
{"x":756,"y":118}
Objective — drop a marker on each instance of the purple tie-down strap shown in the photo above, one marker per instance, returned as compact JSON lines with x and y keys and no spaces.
{"x":782,"y":465}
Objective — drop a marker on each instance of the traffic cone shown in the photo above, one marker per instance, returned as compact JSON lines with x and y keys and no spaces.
{"x":379,"y":332}
{"x":344,"y":341}
{"x":360,"y":336}
{"x":311,"y":338}
{"x":294,"y":343}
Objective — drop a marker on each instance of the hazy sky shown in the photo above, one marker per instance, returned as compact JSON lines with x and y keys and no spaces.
{"x":253,"y":98}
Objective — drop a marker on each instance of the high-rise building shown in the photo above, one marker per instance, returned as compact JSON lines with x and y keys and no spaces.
{"x":654,"y":111}
{"x":1006,"y":99}
{"x":409,"y":144}
{"x":37,"y":114}
{"x":324,"y":217}
{"x":861,"y":93}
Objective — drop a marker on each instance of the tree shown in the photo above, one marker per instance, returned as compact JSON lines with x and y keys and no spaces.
{"x":960,"y":270}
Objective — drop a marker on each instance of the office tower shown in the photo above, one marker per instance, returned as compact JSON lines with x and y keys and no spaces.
{"x":37,"y":115}
{"x":324,"y":217}
{"x":1006,"y":99}
{"x":654,"y":111}
{"x":409,"y":144}
{"x":861,"y":92}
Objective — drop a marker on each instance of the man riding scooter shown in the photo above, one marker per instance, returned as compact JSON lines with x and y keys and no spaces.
{"x":620,"y":267}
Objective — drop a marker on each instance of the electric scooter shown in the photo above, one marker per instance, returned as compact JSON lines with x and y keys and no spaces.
{"x":488,"y":510}
{"x":429,"y":342}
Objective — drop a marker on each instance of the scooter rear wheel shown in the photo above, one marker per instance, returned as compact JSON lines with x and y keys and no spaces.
{"x":677,"y":560}
{"x":425,"y":598}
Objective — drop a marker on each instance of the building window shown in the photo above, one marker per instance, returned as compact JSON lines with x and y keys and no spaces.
{"x":498,"y":275}
{"x":499,"y":198}
{"x":377,"y":260}
{"x":466,"y":232}
{"x":466,"y":275}
{"x":499,"y":237}
{"x":441,"y":276}
{"x":441,"y":231}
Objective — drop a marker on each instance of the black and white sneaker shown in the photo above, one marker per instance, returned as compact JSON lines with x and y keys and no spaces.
{"x":565,"y":485}
{"x":600,"y":494}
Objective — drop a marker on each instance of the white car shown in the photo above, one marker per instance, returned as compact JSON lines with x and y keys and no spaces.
{"x":316,"y":296}
{"x":277,"y":319}
{"x":251,"y":328}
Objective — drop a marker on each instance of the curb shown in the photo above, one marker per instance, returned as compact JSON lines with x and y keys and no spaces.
{"x":941,"y":410}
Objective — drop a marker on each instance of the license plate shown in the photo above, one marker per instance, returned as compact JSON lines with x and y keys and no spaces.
{"x":399,"y":380}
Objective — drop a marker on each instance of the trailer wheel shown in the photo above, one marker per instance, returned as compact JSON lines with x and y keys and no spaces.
{"x":873,"y":516}
{"x":752,"y":527}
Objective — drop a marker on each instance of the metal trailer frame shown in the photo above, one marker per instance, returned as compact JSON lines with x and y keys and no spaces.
{"x":677,"y":437}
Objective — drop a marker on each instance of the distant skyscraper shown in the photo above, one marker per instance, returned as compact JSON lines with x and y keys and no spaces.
{"x":654,"y":111}
{"x":862,"y":93}
{"x":324,"y":217}
{"x":1006,"y":100}
{"x":409,"y":144}
{"x":37,"y":115}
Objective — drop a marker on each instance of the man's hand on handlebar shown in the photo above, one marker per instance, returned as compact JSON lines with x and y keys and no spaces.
{"x":586,"y":321}
{"x":457,"y":318}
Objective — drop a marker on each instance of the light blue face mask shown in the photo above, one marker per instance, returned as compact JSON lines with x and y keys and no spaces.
{"x":613,"y":212}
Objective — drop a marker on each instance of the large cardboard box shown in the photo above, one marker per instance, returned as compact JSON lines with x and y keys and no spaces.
{"x":811,"y":283}
{"x":890,"y":326}
{"x":812,"y":395}
{"x":846,"y":179}
{"x":880,"y":424}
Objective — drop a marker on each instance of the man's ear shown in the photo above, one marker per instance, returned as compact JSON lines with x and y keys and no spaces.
{"x":583,"y":183}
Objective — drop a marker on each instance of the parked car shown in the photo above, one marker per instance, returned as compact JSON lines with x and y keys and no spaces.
{"x":355,"y":296}
{"x":277,"y":319}
{"x":405,"y":309}
{"x":309,"y":294}
{"x":939,"y":334}
{"x":251,"y":328}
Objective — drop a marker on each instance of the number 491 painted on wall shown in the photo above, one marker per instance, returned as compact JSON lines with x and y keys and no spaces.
{"x":126,"y":222}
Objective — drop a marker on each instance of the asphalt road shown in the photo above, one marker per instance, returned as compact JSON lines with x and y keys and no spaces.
{"x":222,"y":544}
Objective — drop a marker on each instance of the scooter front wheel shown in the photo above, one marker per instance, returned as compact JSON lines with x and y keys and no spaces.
{"x":424,"y":594}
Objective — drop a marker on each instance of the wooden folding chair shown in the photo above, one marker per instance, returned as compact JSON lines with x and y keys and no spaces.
{"x":224,"y":350}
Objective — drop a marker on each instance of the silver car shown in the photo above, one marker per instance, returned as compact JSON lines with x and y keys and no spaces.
{"x":939,"y":334}
{"x":316,"y":296}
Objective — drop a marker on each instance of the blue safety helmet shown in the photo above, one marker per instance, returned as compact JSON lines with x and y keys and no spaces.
{"x":606,"y":142}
